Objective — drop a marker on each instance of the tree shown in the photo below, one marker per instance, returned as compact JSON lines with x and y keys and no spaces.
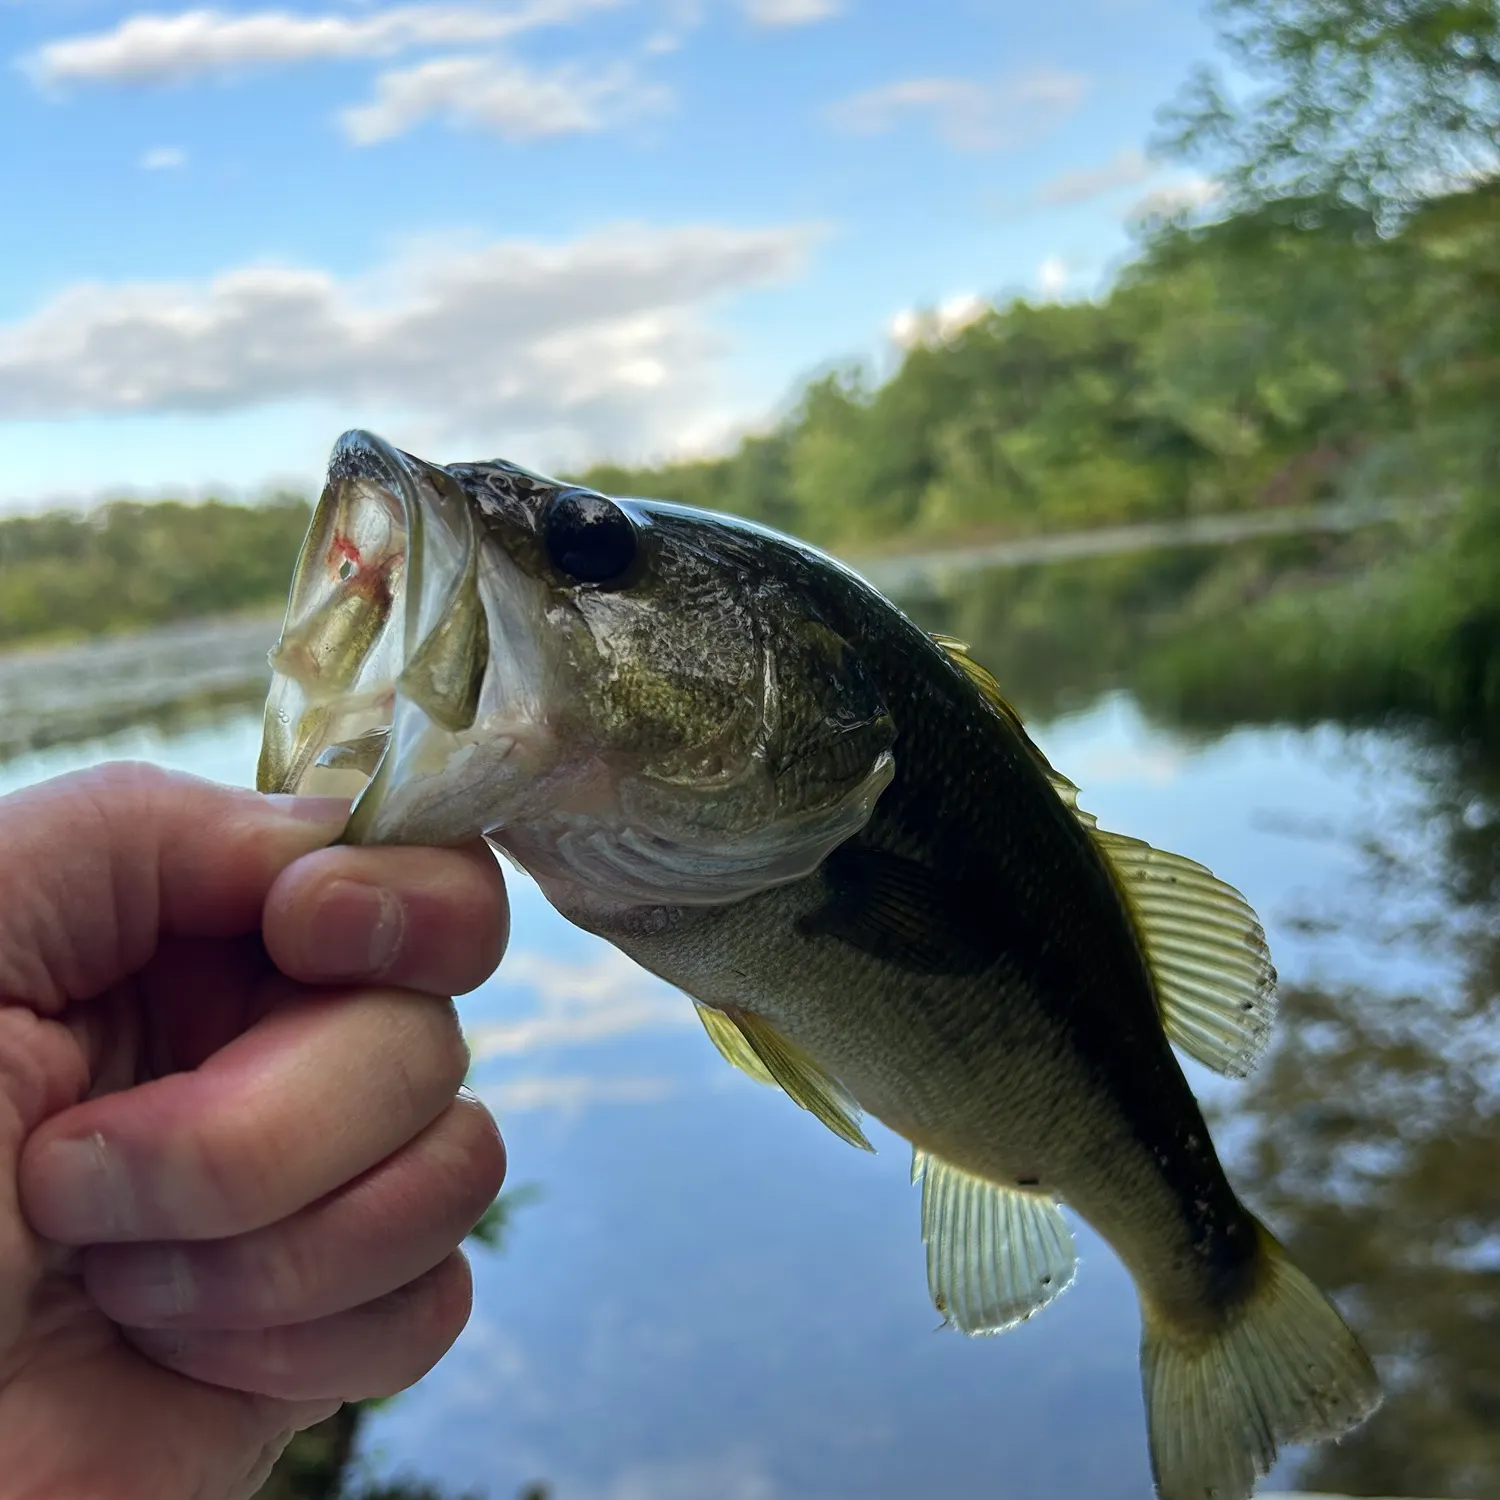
{"x":1379,"y":102}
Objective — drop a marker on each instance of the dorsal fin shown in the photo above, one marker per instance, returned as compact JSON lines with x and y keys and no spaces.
{"x":757,"y":1048}
{"x":958,"y":653}
{"x":1206,"y":950}
{"x":1203,"y":943}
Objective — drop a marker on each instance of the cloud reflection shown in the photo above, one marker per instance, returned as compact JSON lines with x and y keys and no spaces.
{"x":572,"y":1093}
{"x":733,"y":1476}
{"x":578,"y":1002}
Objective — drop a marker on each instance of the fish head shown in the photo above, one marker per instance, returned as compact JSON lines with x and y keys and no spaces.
{"x":630,"y":697}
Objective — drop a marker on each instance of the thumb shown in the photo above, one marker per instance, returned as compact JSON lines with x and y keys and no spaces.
{"x":96,"y":867}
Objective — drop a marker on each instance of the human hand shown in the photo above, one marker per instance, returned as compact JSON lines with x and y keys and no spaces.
{"x":234,"y":1163}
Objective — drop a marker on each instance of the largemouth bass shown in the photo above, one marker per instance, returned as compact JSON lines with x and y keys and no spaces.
{"x":731,"y":757}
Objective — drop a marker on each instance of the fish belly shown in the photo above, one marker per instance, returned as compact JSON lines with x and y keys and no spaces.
{"x":969,"y":1070}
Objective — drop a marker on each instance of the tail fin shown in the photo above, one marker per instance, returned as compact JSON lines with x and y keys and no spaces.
{"x":1284,"y":1369}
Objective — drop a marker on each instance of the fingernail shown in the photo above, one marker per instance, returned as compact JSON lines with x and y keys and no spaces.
{"x":159,"y":1287}
{"x":82,"y":1194}
{"x":356,"y":932}
{"x":331,"y":810}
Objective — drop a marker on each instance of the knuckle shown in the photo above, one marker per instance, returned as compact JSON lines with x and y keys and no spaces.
{"x":227,"y":1180}
{"x":474,"y":1161}
{"x":285,"y":1274}
{"x":452,"y":1049}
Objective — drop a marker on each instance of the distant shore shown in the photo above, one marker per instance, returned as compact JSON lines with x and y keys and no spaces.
{"x":58,"y":693}
{"x":67,"y":691}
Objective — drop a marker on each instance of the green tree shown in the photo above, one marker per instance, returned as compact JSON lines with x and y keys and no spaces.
{"x":1378,"y":102}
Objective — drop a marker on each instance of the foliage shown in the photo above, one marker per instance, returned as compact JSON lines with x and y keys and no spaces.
{"x":1284,"y":355}
{"x":1378,"y":102}
{"x":1303,"y":347}
{"x":496,"y":1224}
{"x":130,"y":564}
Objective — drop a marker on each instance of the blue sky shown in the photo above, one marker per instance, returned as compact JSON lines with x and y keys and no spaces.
{"x":549,"y":229}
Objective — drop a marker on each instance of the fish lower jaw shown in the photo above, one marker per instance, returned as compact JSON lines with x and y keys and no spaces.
{"x":440,"y":788}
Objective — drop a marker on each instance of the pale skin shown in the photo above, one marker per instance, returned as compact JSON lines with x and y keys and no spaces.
{"x":235,"y":1161}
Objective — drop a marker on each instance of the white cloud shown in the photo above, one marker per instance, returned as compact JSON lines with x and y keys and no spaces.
{"x":163,"y":158}
{"x":1186,"y":193}
{"x":967,"y":115}
{"x":1052,"y":275}
{"x":504,"y":96}
{"x":1125,"y":170}
{"x":598,"y":344}
{"x":168,"y":48}
{"x":791,"y":12}
{"x":932,"y":326}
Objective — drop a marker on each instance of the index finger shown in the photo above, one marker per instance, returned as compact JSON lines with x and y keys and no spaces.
{"x":97,"y":865}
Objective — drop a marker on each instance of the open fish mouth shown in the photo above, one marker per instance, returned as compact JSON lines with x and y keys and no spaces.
{"x":384,"y":657}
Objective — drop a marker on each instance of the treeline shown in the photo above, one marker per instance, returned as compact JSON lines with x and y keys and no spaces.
{"x":130,"y":564}
{"x":1282,"y":355}
{"x":1290,"y":352}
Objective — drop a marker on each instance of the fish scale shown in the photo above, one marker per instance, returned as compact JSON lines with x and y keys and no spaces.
{"x":728,"y":755}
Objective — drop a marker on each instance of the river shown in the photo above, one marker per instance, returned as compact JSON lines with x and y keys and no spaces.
{"x":709,"y":1297}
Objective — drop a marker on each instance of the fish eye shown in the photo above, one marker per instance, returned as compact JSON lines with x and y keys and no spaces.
{"x":589,"y":538}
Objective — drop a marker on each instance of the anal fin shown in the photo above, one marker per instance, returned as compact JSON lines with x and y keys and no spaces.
{"x":757,"y":1048}
{"x":995,"y":1255}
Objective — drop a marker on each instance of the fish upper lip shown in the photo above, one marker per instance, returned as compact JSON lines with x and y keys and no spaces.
{"x":360,"y":454}
{"x":375,"y":664}
{"x":357,"y":455}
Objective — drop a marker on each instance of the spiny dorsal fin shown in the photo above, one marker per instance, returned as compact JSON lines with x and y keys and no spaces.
{"x":1206,"y":950}
{"x":761,"y":1051}
{"x":958,"y":653}
{"x":1204,"y":944}
{"x":995,"y":1255}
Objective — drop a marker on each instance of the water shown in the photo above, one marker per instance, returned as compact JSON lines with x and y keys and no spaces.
{"x":712,"y":1298}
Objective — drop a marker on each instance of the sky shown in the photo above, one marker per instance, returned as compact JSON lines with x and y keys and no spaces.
{"x":549,"y":230}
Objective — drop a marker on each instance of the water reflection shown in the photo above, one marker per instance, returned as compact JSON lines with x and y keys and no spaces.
{"x":1371,"y":1136}
{"x":716,"y":1300}
{"x":172,"y":679}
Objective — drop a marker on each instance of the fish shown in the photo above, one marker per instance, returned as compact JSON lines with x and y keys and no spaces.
{"x":725,"y":753}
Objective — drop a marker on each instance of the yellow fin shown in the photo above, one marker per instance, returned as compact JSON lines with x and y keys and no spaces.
{"x":730,"y":1041}
{"x":787,"y":1064}
{"x":1206,"y":950}
{"x":1203,"y":942}
{"x":1284,"y":1369}
{"x":995,"y":1255}
{"x":958,"y":653}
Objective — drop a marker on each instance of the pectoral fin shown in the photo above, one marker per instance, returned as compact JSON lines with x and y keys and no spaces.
{"x":730,"y":1041}
{"x":756,"y":1047}
{"x":995,"y":1255}
{"x":904,"y":913}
